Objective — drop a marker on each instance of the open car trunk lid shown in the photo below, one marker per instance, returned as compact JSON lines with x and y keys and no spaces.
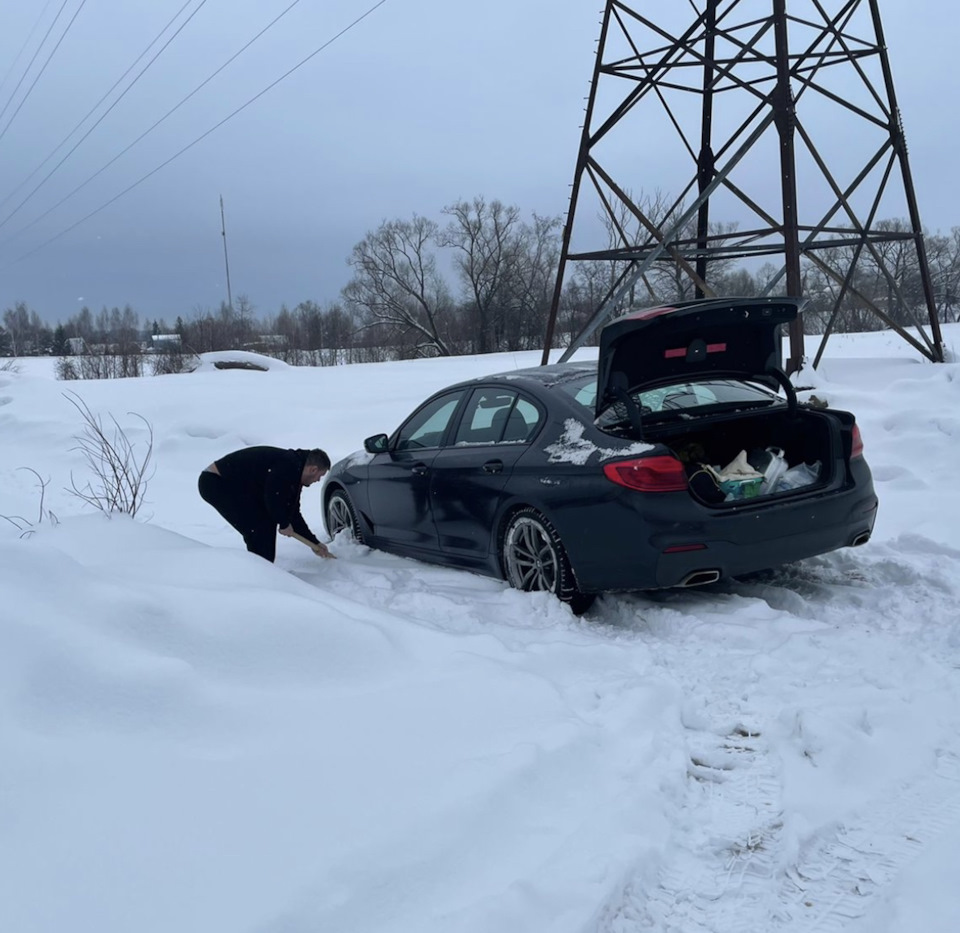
{"x":723,"y":337}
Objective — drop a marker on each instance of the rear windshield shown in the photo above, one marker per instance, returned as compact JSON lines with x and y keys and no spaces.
{"x":682,"y":396}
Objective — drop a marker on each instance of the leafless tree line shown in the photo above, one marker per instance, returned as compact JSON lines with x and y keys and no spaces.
{"x":478,"y":281}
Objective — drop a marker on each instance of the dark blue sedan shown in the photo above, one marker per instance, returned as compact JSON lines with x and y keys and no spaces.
{"x":648,"y":469}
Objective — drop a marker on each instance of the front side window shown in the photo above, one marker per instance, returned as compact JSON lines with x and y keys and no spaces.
{"x":427,"y":426}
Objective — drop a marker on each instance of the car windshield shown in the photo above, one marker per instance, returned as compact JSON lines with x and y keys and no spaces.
{"x":688,"y":398}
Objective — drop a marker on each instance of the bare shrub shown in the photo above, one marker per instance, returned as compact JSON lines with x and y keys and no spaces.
{"x":168,"y":362}
{"x":120,"y":475}
{"x":66,"y":368}
{"x":24,"y":525}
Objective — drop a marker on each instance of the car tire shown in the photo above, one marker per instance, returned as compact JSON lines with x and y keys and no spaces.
{"x":534,"y":559}
{"x":341,"y":516}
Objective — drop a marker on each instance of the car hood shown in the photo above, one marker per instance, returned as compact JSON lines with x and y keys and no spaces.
{"x":715,"y":337}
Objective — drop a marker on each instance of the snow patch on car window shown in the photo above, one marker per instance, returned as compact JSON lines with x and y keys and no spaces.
{"x":572,"y":447}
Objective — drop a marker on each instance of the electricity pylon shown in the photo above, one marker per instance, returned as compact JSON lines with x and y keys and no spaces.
{"x":782,"y":136}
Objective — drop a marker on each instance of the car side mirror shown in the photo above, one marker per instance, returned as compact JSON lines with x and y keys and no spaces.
{"x":376,"y":444}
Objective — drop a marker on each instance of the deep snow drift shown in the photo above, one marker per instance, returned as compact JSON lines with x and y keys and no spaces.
{"x":195,"y":740}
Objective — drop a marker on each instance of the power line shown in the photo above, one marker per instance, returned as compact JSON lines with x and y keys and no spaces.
{"x":200,"y":138}
{"x":103,"y":116}
{"x":98,"y":103}
{"x":26,"y":70}
{"x":151,"y":128}
{"x":23,"y":48}
{"x":43,"y":68}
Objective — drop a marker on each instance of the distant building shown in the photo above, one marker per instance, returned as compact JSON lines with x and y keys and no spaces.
{"x":164,"y":343}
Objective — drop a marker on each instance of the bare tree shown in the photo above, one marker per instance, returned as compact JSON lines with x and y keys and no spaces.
{"x":16,"y":322}
{"x":943,"y":258}
{"x":208,"y":330}
{"x":625,"y":229}
{"x":338,"y":332}
{"x":125,"y":330}
{"x":243,"y":318}
{"x":528,"y":288}
{"x":892,"y":276}
{"x":309,"y":325}
{"x":487,"y":243}
{"x":671,"y":279}
{"x":833,"y":307}
{"x":396,"y":285}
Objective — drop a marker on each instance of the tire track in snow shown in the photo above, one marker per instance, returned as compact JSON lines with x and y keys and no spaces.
{"x":837,"y":876}
{"x":727,"y":876}
{"x":723,"y":869}
{"x":729,"y":868}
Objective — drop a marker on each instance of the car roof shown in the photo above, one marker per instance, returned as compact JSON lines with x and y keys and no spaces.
{"x":544,"y":377}
{"x":533,"y":378}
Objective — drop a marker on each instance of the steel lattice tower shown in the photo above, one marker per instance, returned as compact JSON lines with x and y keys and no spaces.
{"x":784,"y":128}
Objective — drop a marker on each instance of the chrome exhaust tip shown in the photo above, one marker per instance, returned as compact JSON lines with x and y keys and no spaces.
{"x":700,"y":578}
{"x":861,"y":538}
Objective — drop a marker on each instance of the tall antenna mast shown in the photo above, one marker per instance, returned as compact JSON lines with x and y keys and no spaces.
{"x":226,"y":261}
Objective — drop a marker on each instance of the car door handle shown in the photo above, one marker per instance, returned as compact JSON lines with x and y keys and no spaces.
{"x":419,"y":469}
{"x":493,"y":466}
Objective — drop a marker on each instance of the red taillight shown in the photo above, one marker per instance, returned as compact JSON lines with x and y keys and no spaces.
{"x":648,"y":474}
{"x":856,"y":446}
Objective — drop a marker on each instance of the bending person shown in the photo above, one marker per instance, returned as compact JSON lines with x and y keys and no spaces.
{"x":257,"y":490}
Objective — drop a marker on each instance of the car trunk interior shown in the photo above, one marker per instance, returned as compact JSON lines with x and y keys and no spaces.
{"x":804,"y":437}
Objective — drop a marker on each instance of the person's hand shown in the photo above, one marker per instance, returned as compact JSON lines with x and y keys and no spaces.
{"x":321,"y":550}
{"x":288,"y":531}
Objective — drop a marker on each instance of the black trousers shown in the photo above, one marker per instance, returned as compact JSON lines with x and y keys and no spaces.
{"x":243,"y":511}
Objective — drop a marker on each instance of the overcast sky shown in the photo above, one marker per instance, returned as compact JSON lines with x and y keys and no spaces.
{"x":418,"y":105}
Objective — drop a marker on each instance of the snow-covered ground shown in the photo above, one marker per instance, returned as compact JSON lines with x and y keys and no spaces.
{"x":194,"y":740}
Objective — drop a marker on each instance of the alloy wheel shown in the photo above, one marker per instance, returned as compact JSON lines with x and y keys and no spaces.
{"x":340,"y":516}
{"x":530,"y":556}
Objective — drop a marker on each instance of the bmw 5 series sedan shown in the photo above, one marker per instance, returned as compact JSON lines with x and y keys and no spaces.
{"x":647,"y":469}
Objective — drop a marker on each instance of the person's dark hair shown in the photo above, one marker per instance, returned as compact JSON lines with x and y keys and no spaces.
{"x":318,"y":458}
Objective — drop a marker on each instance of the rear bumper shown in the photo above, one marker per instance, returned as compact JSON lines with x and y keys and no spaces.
{"x":817,"y":531}
{"x":666,"y":546}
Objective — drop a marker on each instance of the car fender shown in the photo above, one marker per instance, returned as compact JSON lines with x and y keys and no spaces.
{"x":349,"y":477}
{"x":554,"y":493}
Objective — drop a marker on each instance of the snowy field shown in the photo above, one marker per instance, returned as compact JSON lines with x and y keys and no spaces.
{"x":196,"y":741}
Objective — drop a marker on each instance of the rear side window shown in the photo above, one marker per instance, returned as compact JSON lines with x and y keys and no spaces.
{"x":497,"y":416}
{"x":523,"y":422}
{"x":582,"y":390}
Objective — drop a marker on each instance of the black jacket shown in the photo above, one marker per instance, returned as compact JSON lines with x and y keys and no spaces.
{"x":271,"y":476}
